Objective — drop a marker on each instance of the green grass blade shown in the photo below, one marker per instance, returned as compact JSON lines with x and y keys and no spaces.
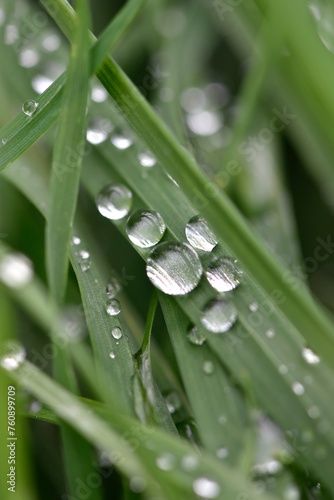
{"x":67,"y":157}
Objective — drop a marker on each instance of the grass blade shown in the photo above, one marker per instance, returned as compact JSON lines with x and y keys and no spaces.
{"x":67,"y":157}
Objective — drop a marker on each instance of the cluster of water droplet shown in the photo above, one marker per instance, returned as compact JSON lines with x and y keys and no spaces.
{"x":82,"y":254}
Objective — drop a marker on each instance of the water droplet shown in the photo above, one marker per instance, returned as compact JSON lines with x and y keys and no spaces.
{"x":298,"y":388}
{"x":270,"y":334}
{"x":4,"y":140}
{"x":193,"y":100}
{"x":145,"y":228}
{"x":29,"y":107}
{"x":208,"y":367}
{"x":99,"y":93}
{"x":113,"y":307}
{"x":199,"y":235}
{"x":253,"y":307}
{"x":219,"y":315}
{"x":310,"y":357}
{"x":166,"y":461}
{"x":174,"y":268}
{"x":204,"y":123}
{"x":85,"y":264}
{"x":16,"y":270}
{"x":314,"y":412}
{"x":173,"y":402}
{"x":283,"y":370}
{"x":112,"y":355}
{"x":116,"y":333}
{"x":113,"y":288}
{"x":189,"y":462}
{"x":35,"y":406}
{"x":138,"y":484}
{"x":84,"y":254}
{"x":12,"y":354}
{"x":114,"y":201}
{"x":195,"y":336}
{"x":28,"y":58}
{"x":206,"y":488}
{"x":222,"y":453}
{"x":147,"y":159}
{"x":75,"y":240}
{"x":121,"y":142}
{"x":222,"y":275}
{"x":98,"y":131}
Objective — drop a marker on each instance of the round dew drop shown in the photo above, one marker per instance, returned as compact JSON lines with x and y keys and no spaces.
{"x":195,"y":336}
{"x":147,"y":159}
{"x":16,"y":270}
{"x":206,"y":488}
{"x":29,"y":107}
{"x":114,"y":201}
{"x":116,"y":333}
{"x":121,"y":142}
{"x":222,"y":275}
{"x":113,"y":307}
{"x":199,"y":234}
{"x":145,"y":228}
{"x":12,"y":354}
{"x":174,"y":268}
{"x":219,"y":315}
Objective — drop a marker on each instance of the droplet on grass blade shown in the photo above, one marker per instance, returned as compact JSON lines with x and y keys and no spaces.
{"x":310,"y":356}
{"x":12,"y":355}
{"x":199,"y":234}
{"x":29,"y":107}
{"x":121,"y":142}
{"x":219,"y":315}
{"x":116,"y":333}
{"x":174,"y":268}
{"x":206,"y":488}
{"x":195,"y":336}
{"x":114,"y":201}
{"x":16,"y":270}
{"x":146,"y":159}
{"x":145,"y":228}
{"x":222,"y":275}
{"x":113,"y":307}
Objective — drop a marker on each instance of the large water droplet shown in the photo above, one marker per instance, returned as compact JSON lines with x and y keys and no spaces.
{"x":16,"y":270}
{"x":12,"y":354}
{"x":174,"y":268}
{"x":114,"y":201}
{"x":121,"y":142}
{"x":113,"y":307}
{"x":29,"y":107}
{"x":195,"y":336}
{"x":147,"y":159}
{"x":116,"y":333}
{"x":145,"y":228}
{"x":219,"y":315}
{"x":222,"y":275}
{"x":206,"y":488}
{"x":199,"y":235}
{"x":310,"y":356}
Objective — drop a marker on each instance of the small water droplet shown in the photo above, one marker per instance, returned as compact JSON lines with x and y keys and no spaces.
{"x":208,"y":367}
{"x":222,"y":275}
{"x":270,"y":334}
{"x":114,"y":201}
{"x":199,"y":235}
{"x":222,"y":453}
{"x":121,"y":142}
{"x":112,"y":355}
{"x":298,"y":388}
{"x":116,"y":333}
{"x":283,"y":370}
{"x":75,"y":240}
{"x":113,"y":307}
{"x":147,"y":159}
{"x":195,"y":336}
{"x":12,"y":355}
{"x":4,"y":140}
{"x":113,"y":288}
{"x":98,"y":131}
{"x":204,"y":123}
{"x":84,"y":254}
{"x":16,"y":270}
{"x":174,"y":268}
{"x":166,"y":461}
{"x":314,"y":412}
{"x":253,"y":307}
{"x":310,"y":356}
{"x":189,"y":462}
{"x":219,"y":315}
{"x":173,"y":402}
{"x":85,"y":264}
{"x":145,"y":228}
{"x":138,"y":484}
{"x":206,"y":488}
{"x":193,"y":100}
{"x":35,"y":406}
{"x":99,"y":93}
{"x":40,"y":83}
{"x":29,"y":107}
{"x":28,"y":58}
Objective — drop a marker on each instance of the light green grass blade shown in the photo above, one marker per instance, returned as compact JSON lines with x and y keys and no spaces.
{"x":95,"y":429}
{"x":67,"y":156}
